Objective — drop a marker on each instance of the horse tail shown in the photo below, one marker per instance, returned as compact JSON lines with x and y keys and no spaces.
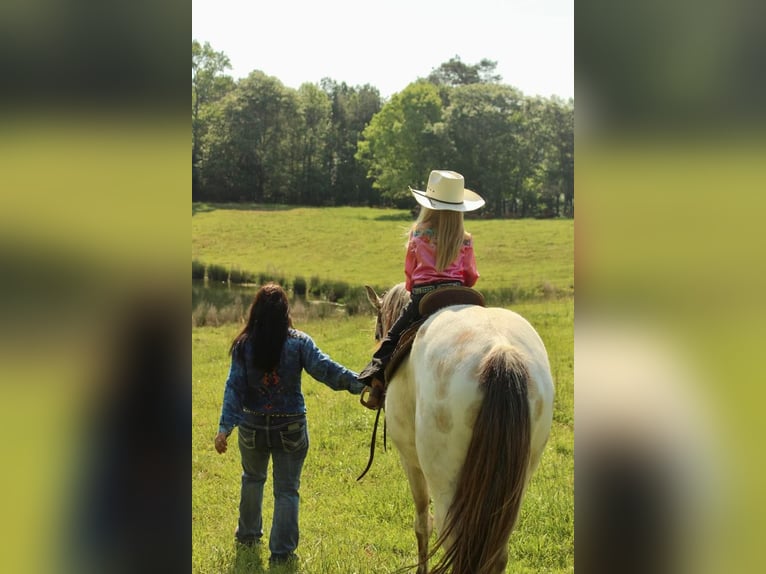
{"x":492,"y":481}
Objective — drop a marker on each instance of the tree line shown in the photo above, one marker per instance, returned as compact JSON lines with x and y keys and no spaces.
{"x":325,"y":144}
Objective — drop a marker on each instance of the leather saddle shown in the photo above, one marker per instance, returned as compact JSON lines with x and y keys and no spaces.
{"x":431,"y":303}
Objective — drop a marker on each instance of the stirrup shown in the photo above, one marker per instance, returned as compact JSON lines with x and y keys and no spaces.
{"x":372,"y":397}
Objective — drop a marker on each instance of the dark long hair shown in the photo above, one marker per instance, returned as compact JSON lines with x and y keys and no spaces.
{"x":267,"y":326}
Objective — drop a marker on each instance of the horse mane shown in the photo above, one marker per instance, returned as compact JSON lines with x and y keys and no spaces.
{"x":393,"y":302}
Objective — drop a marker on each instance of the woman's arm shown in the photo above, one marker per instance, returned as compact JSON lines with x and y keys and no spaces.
{"x":231,"y":410}
{"x":320,"y":366}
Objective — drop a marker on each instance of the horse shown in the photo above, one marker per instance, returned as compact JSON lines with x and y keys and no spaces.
{"x":469,"y":411}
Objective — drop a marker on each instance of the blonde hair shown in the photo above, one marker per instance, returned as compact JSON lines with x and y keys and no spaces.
{"x":449,"y":233}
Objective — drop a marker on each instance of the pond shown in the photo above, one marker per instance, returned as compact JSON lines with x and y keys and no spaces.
{"x":216,"y":303}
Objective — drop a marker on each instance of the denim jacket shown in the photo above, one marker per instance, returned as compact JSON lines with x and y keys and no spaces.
{"x":253,"y":390}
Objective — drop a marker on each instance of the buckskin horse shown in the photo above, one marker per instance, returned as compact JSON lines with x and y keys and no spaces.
{"x":469,"y":411}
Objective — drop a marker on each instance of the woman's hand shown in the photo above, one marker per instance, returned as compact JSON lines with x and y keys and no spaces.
{"x":220,"y":442}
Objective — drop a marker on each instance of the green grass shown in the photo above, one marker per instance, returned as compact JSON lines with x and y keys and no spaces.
{"x":366,"y":527}
{"x":359,"y":245}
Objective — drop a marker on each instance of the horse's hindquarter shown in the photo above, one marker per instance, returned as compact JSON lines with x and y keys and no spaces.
{"x":445,"y":362}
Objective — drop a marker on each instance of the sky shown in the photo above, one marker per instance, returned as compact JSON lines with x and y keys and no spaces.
{"x":391,"y":43}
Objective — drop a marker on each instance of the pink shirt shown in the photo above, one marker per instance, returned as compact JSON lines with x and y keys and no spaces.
{"x":420,"y":262}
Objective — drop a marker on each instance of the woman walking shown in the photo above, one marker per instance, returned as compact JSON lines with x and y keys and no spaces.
{"x":263,"y":398}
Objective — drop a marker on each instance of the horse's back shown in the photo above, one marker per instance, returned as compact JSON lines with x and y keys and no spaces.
{"x":453,"y":342}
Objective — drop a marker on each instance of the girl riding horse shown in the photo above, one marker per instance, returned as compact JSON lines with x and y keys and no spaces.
{"x":439,"y":253}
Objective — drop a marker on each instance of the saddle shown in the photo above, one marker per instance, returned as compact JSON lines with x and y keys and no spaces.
{"x":431,"y":303}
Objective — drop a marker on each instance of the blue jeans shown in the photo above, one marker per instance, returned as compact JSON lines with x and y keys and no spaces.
{"x":285,"y":439}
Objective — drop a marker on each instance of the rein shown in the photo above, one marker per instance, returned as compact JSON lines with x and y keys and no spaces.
{"x":372,"y":442}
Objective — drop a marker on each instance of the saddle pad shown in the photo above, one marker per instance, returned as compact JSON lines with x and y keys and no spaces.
{"x":430,"y":304}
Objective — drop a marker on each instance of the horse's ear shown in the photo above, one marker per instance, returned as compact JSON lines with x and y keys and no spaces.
{"x":375,"y":301}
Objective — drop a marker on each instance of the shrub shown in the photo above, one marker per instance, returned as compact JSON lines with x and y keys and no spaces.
{"x":299,"y":286}
{"x":272,"y":275}
{"x":241,"y":277}
{"x":356,"y":301}
{"x":315,"y":286}
{"x":217,"y":273}
{"x":335,"y":290}
{"x":198,"y":270}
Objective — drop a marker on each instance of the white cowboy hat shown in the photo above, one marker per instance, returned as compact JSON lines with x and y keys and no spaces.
{"x":446,"y":191}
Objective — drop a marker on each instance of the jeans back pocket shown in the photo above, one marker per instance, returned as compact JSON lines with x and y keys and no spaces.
{"x":246,"y":438}
{"x":294,"y":437}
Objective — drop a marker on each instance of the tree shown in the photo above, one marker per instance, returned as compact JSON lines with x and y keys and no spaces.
{"x":561,"y":170}
{"x":483,"y":124}
{"x":209,"y":85}
{"x":532,"y":144}
{"x":352,"y":110}
{"x":549,"y":191}
{"x":330,"y":144}
{"x":404,"y":141}
{"x":247,"y":151}
{"x":456,"y":73}
{"x":312,"y":139}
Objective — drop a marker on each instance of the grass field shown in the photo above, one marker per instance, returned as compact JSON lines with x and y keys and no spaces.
{"x":361,"y":245}
{"x":366,"y":527}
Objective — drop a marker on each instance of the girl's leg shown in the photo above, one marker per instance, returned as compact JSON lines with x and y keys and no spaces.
{"x":376,"y":367}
